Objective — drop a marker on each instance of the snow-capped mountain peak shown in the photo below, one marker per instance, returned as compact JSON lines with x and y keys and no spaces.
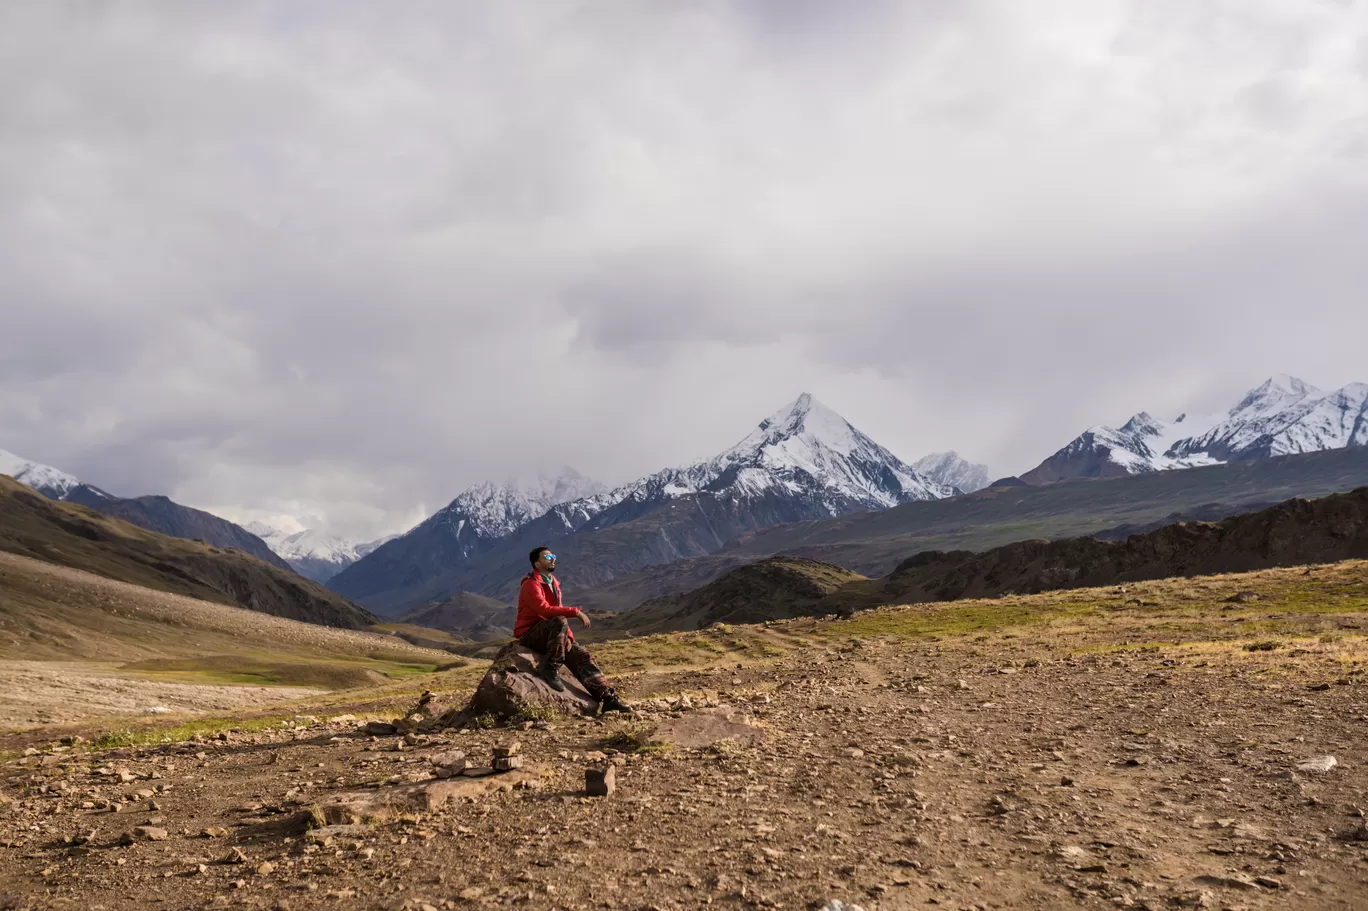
{"x":52,"y":483}
{"x":492,"y":510}
{"x":949,"y":469}
{"x":1283,"y":415}
{"x":311,"y":553}
{"x":803,"y":450}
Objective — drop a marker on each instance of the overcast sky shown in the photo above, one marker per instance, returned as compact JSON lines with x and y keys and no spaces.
{"x":341,"y":260}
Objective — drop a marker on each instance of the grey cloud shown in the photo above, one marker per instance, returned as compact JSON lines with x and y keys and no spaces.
{"x":341,"y":260}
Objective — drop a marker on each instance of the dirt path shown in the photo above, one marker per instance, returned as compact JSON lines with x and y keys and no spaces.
{"x":1037,"y":779}
{"x":1157,"y":748}
{"x":57,"y":692}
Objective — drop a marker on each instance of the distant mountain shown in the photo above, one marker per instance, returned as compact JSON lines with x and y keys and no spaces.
{"x":157,"y":513}
{"x":949,"y":470}
{"x":803,"y":462}
{"x":52,"y":483}
{"x":1292,"y":533}
{"x":471,"y":524}
{"x":71,"y":535}
{"x":1282,"y":416}
{"x":467,"y":615}
{"x":311,"y":553}
{"x":773,"y":589}
{"x":874,"y":543}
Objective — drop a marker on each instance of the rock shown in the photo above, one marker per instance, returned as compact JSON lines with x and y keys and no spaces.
{"x":382,"y":804}
{"x":699,"y":730}
{"x":1318,"y":764}
{"x":378,"y":729}
{"x":265,"y":868}
{"x":834,"y":905}
{"x":511,"y":687}
{"x":477,"y":771}
{"x":507,"y":763}
{"x":146,"y":833}
{"x":1243,"y":597}
{"x":1228,"y":881}
{"x":327,"y":833}
{"x":600,"y":782}
{"x":450,"y":763}
{"x":507,"y":750}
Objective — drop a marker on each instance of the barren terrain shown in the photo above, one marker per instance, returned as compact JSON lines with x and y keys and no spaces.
{"x":1162,"y":746}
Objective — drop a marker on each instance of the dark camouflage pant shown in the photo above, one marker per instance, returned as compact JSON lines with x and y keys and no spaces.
{"x":551,"y":637}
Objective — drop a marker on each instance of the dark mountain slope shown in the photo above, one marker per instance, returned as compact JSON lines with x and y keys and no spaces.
{"x":1293,"y":533}
{"x":772,"y":589}
{"x":81,"y":538}
{"x":167,"y":517}
{"x":467,"y":615}
{"x":873,"y":543}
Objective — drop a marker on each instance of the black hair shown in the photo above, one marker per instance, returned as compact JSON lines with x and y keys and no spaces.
{"x":536,"y":554}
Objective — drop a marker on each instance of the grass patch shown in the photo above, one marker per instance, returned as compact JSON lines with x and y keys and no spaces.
{"x":185,"y":731}
{"x":240,"y":670}
{"x":636,"y":738}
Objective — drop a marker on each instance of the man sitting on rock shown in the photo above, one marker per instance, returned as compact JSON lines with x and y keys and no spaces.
{"x":543,"y":625}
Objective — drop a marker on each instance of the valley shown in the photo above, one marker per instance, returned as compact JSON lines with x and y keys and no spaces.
{"x":1167,"y":746}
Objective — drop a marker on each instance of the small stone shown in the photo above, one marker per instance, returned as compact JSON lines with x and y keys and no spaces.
{"x":1268,"y":882}
{"x":508,"y":750}
{"x":600,"y":782}
{"x":507,"y":763}
{"x":1318,"y":764}
{"x":235,"y":856}
{"x":148,"y":833}
{"x":265,"y":868}
{"x":477,"y":771}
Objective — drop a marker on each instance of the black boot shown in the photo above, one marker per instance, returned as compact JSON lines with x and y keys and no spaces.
{"x":612,"y":703}
{"x":550,"y":672}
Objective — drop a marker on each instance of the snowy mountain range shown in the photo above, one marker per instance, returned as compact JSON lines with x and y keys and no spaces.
{"x":52,"y":483}
{"x":1282,"y":416}
{"x":948,"y":469}
{"x":313,"y":554}
{"x":803,"y":462}
{"x":154,"y":513}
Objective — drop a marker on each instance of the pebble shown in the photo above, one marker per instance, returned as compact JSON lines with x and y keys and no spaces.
{"x":1318,"y":764}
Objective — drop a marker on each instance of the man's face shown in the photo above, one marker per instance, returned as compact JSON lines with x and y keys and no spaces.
{"x":547,"y":562}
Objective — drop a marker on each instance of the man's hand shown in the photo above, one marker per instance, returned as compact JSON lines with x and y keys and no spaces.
{"x":584,"y":618}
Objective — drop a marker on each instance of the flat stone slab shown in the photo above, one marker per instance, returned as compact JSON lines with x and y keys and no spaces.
{"x":699,"y":730}
{"x":382,"y":804}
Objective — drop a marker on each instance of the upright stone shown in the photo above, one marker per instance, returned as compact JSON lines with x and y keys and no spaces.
{"x":600,"y":782}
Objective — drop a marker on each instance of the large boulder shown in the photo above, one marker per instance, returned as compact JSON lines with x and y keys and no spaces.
{"x":512,"y":688}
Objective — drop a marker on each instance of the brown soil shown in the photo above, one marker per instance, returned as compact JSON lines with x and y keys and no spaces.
{"x":64,"y":692}
{"x":1092,"y":749}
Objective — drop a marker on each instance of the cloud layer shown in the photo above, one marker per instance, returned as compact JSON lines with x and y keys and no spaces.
{"x":341,"y":260}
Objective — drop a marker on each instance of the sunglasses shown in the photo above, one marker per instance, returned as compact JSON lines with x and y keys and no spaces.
{"x":549,"y":556}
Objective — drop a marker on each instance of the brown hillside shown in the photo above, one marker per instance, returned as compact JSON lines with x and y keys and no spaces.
{"x":1293,"y":533}
{"x":81,"y":538}
{"x":777,"y":588}
{"x":468,"y":615}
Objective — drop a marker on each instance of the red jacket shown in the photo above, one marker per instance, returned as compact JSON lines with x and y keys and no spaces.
{"x":539,"y":601}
